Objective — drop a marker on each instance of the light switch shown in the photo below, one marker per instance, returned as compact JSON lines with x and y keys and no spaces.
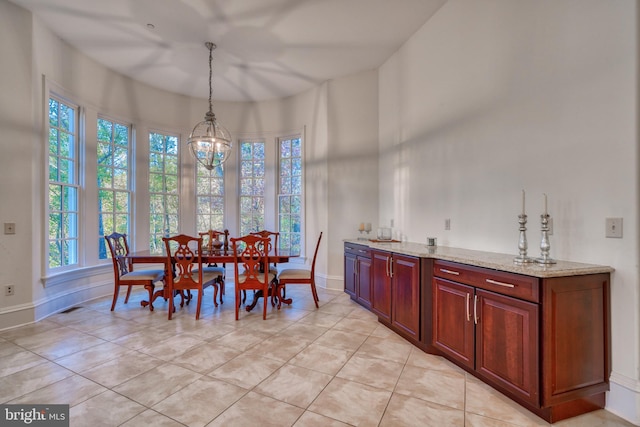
{"x":9,"y":228}
{"x":613,"y":227}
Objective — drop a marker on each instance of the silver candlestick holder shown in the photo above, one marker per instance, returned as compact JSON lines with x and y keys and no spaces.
{"x":545,"y":246}
{"x":522,"y":242}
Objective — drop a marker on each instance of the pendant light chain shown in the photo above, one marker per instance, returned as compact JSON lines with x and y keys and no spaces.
{"x":210,"y":143}
{"x":211,"y":47}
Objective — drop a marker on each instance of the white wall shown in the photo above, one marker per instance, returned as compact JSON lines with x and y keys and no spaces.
{"x":491,"y":97}
{"x":353,"y":164}
{"x":15,"y":162}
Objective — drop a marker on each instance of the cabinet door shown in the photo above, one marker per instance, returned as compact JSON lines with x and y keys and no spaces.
{"x":350,"y":274}
{"x":405,"y":295}
{"x":507,"y":343}
{"x":381,"y":284}
{"x":363,"y":283}
{"x":453,"y":328}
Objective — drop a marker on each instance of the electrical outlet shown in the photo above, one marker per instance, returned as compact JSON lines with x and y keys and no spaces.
{"x":9,"y":228}
{"x":447,"y":224}
{"x":613,"y":227}
{"x":8,"y":290}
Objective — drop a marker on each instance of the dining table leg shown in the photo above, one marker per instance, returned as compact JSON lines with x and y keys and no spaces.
{"x":272,"y":293}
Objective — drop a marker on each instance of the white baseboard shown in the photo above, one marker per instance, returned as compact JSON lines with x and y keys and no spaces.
{"x":623,"y":398}
{"x":335,"y":283}
{"x":24,"y":314}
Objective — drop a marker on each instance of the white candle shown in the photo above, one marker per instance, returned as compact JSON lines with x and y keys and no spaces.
{"x":522,"y":202}
{"x":545,"y":203}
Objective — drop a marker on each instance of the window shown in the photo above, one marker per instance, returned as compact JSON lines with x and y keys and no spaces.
{"x":210,"y":198}
{"x":163,"y":188}
{"x":252,"y":186}
{"x":290,"y":194}
{"x":114,"y":195}
{"x":63,"y":192}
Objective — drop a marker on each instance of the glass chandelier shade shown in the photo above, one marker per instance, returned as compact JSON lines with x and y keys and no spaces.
{"x":210,"y":142}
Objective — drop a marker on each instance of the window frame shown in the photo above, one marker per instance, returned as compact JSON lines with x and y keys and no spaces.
{"x":129,"y":185}
{"x":78,"y":172}
{"x":152,"y":235}
{"x":265,"y":177}
{"x":200,"y":168}
{"x":301,"y":233}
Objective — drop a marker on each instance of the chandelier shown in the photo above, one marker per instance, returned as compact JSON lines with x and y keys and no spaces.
{"x":210,"y":142}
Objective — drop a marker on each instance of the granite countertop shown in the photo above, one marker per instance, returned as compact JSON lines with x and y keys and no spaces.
{"x":497,"y":261}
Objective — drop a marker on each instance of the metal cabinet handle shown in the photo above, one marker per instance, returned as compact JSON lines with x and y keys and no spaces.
{"x":390,"y":266}
{"x":455,"y":273}
{"x":468,"y":309}
{"x":495,"y":282}
{"x":362,"y":251}
{"x":475,"y":309}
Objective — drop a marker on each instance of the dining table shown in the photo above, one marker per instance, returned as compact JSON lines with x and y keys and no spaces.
{"x":216,"y":256}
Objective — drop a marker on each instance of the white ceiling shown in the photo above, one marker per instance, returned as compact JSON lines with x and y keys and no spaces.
{"x":266,"y":48}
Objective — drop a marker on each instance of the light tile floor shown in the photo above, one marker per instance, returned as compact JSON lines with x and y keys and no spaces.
{"x":333,"y":366}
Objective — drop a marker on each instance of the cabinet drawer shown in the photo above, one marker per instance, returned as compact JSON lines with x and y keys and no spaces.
{"x":359,"y":250}
{"x":515,"y":285}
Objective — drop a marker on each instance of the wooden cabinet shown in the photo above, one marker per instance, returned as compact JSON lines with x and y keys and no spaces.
{"x":453,"y":329}
{"x":381,"y":284}
{"x":507,"y":343}
{"x":357,"y":273}
{"x":543,"y":342}
{"x":396,"y":291}
{"x":541,"y":337}
{"x":363,"y":282}
{"x":493,"y":334}
{"x":405,"y":295}
{"x":350,"y":269}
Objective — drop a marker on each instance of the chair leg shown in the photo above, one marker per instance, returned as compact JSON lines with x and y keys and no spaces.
{"x":171,"y":297}
{"x":265,"y":298}
{"x":150,"y":288}
{"x":199,"y":304}
{"x":215,"y":293}
{"x":221,"y":282}
{"x":237,"y":302}
{"x":314,"y":292}
{"x":281,"y":295}
{"x":273,"y":293}
{"x":116,"y":291}
{"x":126,"y":299}
{"x":279,"y":290}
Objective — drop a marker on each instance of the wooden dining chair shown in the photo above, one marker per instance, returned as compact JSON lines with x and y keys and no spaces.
{"x":272,"y":246}
{"x":298,"y":276}
{"x":251,"y":255}
{"x":273,"y":237}
{"x":214,"y":240}
{"x":123,"y":272}
{"x":184,"y":254}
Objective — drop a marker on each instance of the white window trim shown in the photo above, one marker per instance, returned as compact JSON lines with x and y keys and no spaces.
{"x":178,"y":136}
{"x":273,"y":167}
{"x":131,"y":170}
{"x":52,"y":90}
